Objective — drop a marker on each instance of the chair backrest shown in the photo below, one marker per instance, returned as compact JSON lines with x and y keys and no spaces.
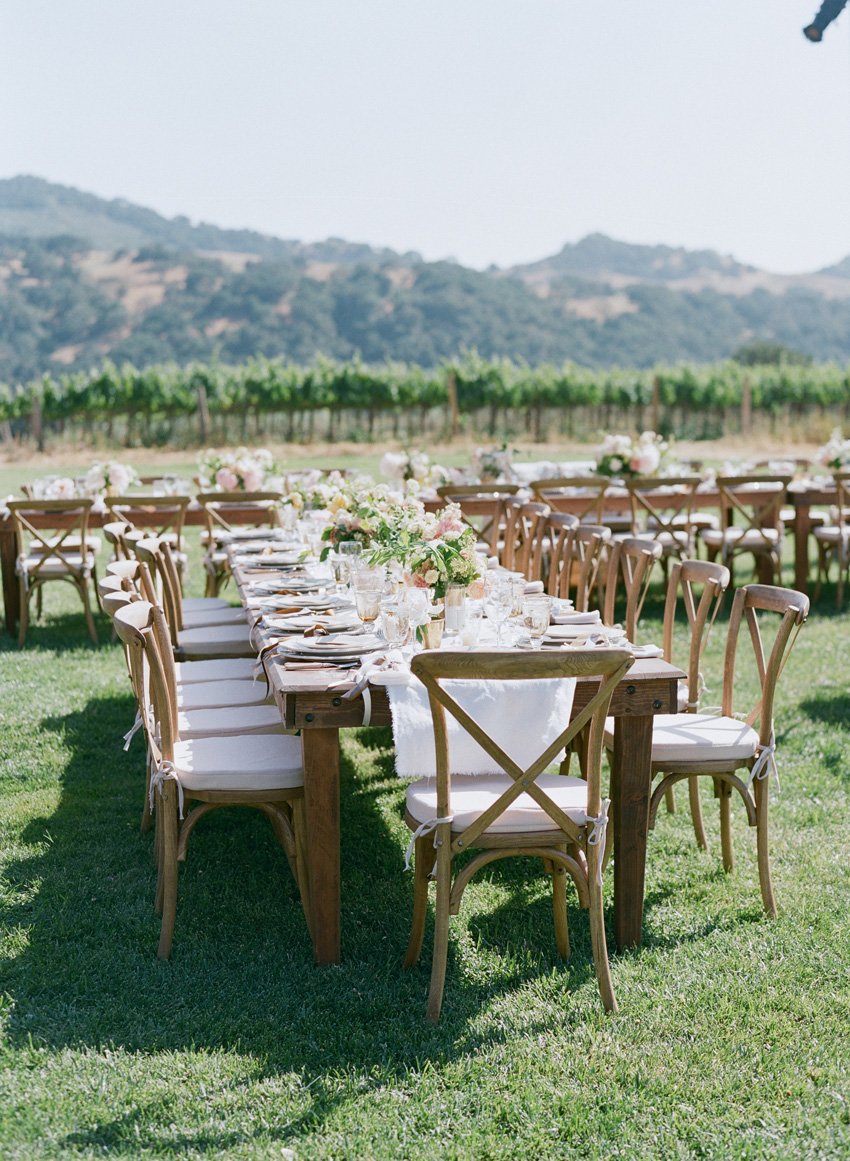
{"x":42,"y":528}
{"x":155,"y":515}
{"x":630,"y":559}
{"x":751,"y":503}
{"x":701,"y":608}
{"x":659,"y":504}
{"x":224,"y":511}
{"x":793,"y":609}
{"x":525,"y":528}
{"x":135,"y":628}
{"x":156,"y":582}
{"x":482,"y":507}
{"x":577,"y":554}
{"x":582,"y":496}
{"x":435,"y":667}
{"x":842,"y":496}
{"x":115,"y":533}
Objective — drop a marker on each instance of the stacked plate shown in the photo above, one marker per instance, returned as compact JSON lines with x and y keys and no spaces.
{"x":337,"y":647}
{"x":288,"y":559}
{"x":307,"y":601}
{"x":289,"y":584}
{"x":342,"y":622}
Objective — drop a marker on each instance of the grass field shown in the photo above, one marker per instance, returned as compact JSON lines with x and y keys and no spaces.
{"x":732,"y":1039}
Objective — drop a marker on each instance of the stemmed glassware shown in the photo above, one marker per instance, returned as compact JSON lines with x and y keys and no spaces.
{"x":498,"y":606}
{"x":535,"y":618}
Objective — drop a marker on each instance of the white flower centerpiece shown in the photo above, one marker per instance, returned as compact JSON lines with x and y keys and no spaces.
{"x":109,"y":478}
{"x":621,"y":457}
{"x":835,"y":453}
{"x":402,"y":467}
{"x":492,"y":463}
{"x":240,"y":470}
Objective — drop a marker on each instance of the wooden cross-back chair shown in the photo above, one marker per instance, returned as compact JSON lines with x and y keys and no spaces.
{"x":229,"y":516}
{"x":50,"y":535}
{"x":563,"y":819}
{"x":160,"y":516}
{"x":482,"y":507}
{"x":702,"y":586}
{"x":662,"y":508}
{"x":260,"y":771}
{"x":582,"y":496}
{"x":524,"y":535}
{"x":833,"y":540}
{"x":750,"y":521}
{"x":578,"y":551}
{"x":719,"y":746}
{"x":630,"y":560}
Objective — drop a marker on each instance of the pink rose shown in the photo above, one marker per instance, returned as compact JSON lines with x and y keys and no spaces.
{"x":253,"y":480}
{"x":226,"y":480}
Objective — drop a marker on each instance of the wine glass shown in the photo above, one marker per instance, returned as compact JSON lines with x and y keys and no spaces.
{"x":395,"y":624}
{"x":349,"y":550}
{"x":498,"y":606}
{"x":535,"y":618}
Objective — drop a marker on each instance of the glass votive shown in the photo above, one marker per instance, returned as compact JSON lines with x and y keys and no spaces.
{"x":455,"y":606}
{"x":470,"y":633}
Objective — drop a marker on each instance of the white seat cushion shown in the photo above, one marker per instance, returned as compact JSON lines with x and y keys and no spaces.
{"x":742,"y":538}
{"x":697,"y":738}
{"x":833,"y":533}
{"x":195,"y":619}
{"x":216,"y":641}
{"x":472,"y":795}
{"x":223,"y":669}
{"x":258,"y":762}
{"x":229,"y":721}
{"x":54,"y":565}
{"x":69,"y":544}
{"x":208,"y":695}
{"x":198,"y":604}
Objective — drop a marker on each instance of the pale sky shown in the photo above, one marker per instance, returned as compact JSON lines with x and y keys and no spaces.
{"x":484,"y":130}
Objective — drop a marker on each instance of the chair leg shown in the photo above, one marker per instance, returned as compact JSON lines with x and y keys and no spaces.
{"x":147,"y":813}
{"x":23,"y":616}
{"x":299,"y":828}
{"x":696,"y":812}
{"x":597,"y":933}
{"x":423,"y":865}
{"x":84,"y":593}
{"x":559,"y":910}
{"x":670,"y":800}
{"x":725,"y":794}
{"x":762,"y":795}
{"x":168,"y":822}
{"x":441,"y":932}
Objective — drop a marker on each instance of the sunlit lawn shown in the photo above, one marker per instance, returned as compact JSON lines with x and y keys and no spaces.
{"x":732,"y":1039}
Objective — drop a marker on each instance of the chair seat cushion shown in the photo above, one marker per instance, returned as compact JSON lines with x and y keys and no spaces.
{"x":473,"y":794}
{"x":222,"y":669}
{"x":228,"y":721}
{"x":69,"y":544}
{"x":697,"y":738}
{"x":198,"y":618}
{"x":216,"y":641}
{"x":742,"y":538}
{"x":258,"y":762}
{"x":54,"y":566}
{"x":833,"y":533}
{"x":209,"y":695}
{"x":201,"y":604}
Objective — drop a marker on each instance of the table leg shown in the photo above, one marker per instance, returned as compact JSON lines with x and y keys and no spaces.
{"x":11,"y":594}
{"x":321,"y":807}
{"x":630,"y":792}
{"x":802,"y":528}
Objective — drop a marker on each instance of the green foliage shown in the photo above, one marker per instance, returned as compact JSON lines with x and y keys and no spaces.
{"x":761,"y":354}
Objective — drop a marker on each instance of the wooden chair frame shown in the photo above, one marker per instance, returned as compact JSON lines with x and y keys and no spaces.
{"x":792,"y":608}
{"x":838,"y":549}
{"x":566,"y":848}
{"x":665,"y":504}
{"x":577,"y":554}
{"x":264,"y":507}
{"x":135,"y":625}
{"x":49,"y":544}
{"x":595,"y":488}
{"x":757,"y":510}
{"x":631,"y":558}
{"x":489,"y":523}
{"x":524,"y":534}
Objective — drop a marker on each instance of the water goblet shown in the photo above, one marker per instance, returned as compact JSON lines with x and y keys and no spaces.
{"x":535,"y":618}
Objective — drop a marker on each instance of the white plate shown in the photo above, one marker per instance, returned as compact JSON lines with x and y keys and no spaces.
{"x":308,"y":602}
{"x":342,"y":645}
{"x":337,"y":623}
{"x":295,"y":584}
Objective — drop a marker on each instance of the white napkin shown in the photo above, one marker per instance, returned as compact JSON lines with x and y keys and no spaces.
{"x":534,"y":587}
{"x":591,"y":618}
{"x":522,"y":717}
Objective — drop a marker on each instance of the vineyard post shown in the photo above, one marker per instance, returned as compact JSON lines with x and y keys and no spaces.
{"x":746,"y":407}
{"x":36,"y":421}
{"x":454,"y":411}
{"x":203,"y":415}
{"x":656,"y":402}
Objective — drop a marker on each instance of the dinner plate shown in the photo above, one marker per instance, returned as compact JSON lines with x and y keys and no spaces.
{"x":294,"y":584}
{"x":336,"y":623}
{"x":339,"y":646}
{"x":310,"y":601}
{"x":272,"y":559}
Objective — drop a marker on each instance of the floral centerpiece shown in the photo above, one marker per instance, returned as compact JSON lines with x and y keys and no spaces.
{"x":413,"y":465}
{"x":492,"y":463}
{"x":240,"y":470}
{"x":435,"y":550}
{"x":835,"y":453}
{"x":355,"y":509}
{"x":54,"y":488}
{"x":622,"y":457}
{"x":108,"y":478}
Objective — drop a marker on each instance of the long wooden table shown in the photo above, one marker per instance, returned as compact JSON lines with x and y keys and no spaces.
{"x":308,"y":703}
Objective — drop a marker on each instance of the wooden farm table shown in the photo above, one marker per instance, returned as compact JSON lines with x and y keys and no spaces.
{"x":802,"y":499}
{"x":310,"y":700}
{"x":235,"y":515}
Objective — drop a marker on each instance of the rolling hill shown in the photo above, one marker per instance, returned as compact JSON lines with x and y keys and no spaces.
{"x":83,"y":278}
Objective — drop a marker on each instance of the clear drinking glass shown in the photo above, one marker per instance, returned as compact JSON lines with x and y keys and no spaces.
{"x":349,"y":550}
{"x":471,"y":631}
{"x":535,"y":618}
{"x":368,"y":585}
{"x":368,"y":604}
{"x":454,"y":603}
{"x":498,"y":607}
{"x":395,"y":624}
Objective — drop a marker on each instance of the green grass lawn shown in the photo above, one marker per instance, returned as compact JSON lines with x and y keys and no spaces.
{"x":732,"y":1039}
